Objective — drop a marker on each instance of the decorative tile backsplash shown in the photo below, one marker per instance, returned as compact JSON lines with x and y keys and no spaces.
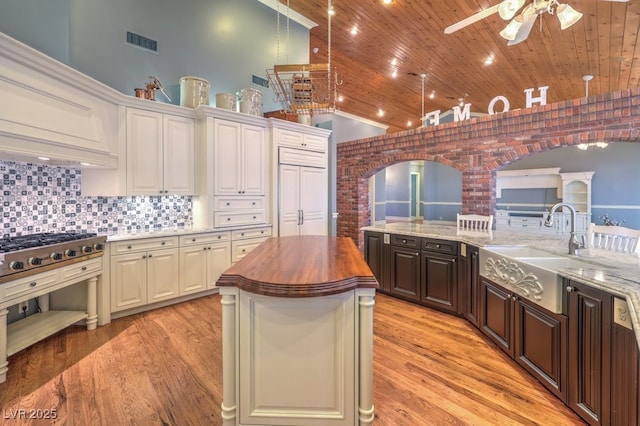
{"x":42,"y":198}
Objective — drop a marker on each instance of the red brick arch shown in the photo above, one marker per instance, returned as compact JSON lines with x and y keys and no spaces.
{"x":479,"y":146}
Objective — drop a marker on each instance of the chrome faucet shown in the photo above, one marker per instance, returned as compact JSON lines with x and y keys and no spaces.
{"x":574,"y":244}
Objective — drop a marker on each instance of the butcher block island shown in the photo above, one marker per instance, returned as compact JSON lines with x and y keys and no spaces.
{"x":297,"y":340}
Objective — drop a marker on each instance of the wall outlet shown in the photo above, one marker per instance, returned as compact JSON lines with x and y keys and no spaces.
{"x":23,"y":307}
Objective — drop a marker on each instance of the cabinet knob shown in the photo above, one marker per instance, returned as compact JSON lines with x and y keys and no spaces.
{"x":150,"y":255}
{"x":228,"y":203}
{"x":219,"y":236}
{"x":404,"y":241}
{"x":144,"y":256}
{"x":242,"y":234}
{"x":514,"y":297}
{"x":84,"y":268}
{"x":204,"y":248}
{"x":162,"y":243}
{"x":570,"y":289}
{"x":228,"y":218}
{"x":129,"y":247}
{"x":437,"y":245}
{"x":33,"y":283}
{"x":193,"y":239}
{"x":254,"y":217}
{"x":243,"y":250}
{"x":253,"y":204}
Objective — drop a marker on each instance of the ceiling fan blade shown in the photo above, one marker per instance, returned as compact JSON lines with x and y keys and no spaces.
{"x":524,"y":30}
{"x":471,"y":19}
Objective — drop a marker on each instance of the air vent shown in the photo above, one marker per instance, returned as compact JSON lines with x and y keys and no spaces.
{"x":142,"y":42}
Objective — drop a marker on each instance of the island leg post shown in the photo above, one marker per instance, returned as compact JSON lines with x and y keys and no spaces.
{"x":365,"y":408}
{"x":229,"y":405}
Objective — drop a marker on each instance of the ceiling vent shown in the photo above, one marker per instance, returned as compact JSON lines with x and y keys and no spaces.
{"x":142,"y":42}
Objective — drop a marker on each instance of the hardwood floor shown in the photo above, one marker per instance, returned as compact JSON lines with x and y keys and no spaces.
{"x":164,"y":367}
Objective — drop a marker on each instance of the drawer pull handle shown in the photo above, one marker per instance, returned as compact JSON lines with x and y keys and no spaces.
{"x":253,"y":204}
{"x":242,"y":234}
{"x":254,"y":217}
{"x":129,"y":247}
{"x":228,"y":218}
{"x":243,"y":250}
{"x":162,"y":243}
{"x":84,"y":268}
{"x":33,"y":284}
{"x":219,"y":236}
{"x":228,"y":203}
{"x":193,"y":239}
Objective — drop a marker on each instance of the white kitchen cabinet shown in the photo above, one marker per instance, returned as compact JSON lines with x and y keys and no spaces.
{"x":301,"y":140}
{"x":239,"y":159}
{"x":143,"y":271}
{"x":160,"y":153}
{"x":156,"y":156}
{"x":303,"y":200}
{"x":203,"y":258}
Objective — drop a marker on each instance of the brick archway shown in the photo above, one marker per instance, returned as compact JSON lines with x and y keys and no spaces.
{"x":479,"y":146}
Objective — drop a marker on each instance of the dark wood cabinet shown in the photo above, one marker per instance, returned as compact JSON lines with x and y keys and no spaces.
{"x":496,"y":314}
{"x":405,"y":273}
{"x":624,"y":376}
{"x":540,"y":345}
{"x":439,"y":275}
{"x":590,"y":325}
{"x":533,"y":336}
{"x":376,"y":255}
{"x":469,"y":283}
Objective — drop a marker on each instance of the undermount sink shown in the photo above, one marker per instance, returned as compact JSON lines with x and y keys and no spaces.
{"x":529,"y":272}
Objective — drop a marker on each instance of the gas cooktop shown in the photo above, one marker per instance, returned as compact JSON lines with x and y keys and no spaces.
{"x":29,"y":254}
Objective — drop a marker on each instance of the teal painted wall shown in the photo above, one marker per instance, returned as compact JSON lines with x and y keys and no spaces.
{"x":222,"y":41}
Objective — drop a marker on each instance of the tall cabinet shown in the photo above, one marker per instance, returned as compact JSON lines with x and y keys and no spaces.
{"x":300,"y":179}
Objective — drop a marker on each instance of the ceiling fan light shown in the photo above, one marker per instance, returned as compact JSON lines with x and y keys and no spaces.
{"x":508,"y":8}
{"x":567,"y":16}
{"x":511,"y":30}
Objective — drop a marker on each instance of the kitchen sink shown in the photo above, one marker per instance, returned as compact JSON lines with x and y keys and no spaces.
{"x":529,"y":272}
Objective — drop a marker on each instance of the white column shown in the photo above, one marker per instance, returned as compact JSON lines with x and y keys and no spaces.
{"x":3,"y":345}
{"x":92,"y":303}
{"x":365,"y":403}
{"x":229,"y":306}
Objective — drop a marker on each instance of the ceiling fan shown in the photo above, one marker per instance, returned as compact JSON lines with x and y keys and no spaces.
{"x":520,"y":26}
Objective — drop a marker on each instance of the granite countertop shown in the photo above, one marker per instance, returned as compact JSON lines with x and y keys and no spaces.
{"x":174,"y":232}
{"x":616,"y":273}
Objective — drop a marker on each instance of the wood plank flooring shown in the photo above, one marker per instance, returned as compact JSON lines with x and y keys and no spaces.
{"x":164,"y":368}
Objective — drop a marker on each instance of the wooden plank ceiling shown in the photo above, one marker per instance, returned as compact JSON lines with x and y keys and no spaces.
{"x":603,"y":44}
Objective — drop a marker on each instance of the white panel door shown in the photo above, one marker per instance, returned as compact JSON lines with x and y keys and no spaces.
{"x":313,"y":201}
{"x":128,"y":281}
{"x":162,"y":275}
{"x":289,"y":200}
{"x":179,"y":146}
{"x":254,"y":162}
{"x":219,"y":259}
{"x":227,"y":154}
{"x":193,"y":269}
{"x":144,"y":152}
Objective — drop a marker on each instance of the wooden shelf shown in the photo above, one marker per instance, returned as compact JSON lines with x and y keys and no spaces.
{"x":25,"y":332}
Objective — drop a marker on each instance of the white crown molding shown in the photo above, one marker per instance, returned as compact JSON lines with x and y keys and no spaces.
{"x":292,"y":14}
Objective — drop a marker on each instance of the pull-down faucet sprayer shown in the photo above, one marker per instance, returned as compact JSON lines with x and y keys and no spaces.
{"x":574,"y":244}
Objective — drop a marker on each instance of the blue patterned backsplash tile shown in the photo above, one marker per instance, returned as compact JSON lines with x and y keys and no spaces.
{"x":43,"y":198}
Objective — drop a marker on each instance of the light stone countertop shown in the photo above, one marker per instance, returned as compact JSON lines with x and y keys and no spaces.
{"x":174,"y":232}
{"x":616,"y":273}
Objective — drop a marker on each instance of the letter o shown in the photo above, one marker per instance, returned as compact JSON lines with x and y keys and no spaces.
{"x":492,"y":104}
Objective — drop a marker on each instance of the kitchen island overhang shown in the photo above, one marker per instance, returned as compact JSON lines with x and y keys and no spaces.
{"x":297,"y":340}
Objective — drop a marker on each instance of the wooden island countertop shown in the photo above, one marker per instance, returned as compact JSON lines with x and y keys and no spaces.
{"x":301,"y":266}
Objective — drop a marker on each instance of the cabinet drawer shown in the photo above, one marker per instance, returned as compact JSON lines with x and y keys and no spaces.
{"x":145,"y":244}
{"x":22,"y":287}
{"x":243,"y":234}
{"x":240,"y":249}
{"x":315,"y":142}
{"x":294,"y":139}
{"x":440,"y":246}
{"x":405,"y":241}
{"x":526,"y":222}
{"x":221,"y":219}
{"x":299,"y":157}
{"x":90,"y":268}
{"x":212,"y":237}
{"x":238,"y":203}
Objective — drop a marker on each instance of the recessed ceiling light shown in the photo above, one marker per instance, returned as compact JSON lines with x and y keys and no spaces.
{"x":432,"y":95}
{"x":331,"y":11}
{"x":409,"y":123}
{"x":394,"y":61}
{"x":340,"y":98}
{"x":387,"y":1}
{"x":354,"y":30}
{"x":380,"y":112}
{"x":394,"y":73}
{"x":488,"y":60}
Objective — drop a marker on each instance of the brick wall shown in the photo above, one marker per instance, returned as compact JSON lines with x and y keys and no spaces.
{"x":479,"y":146}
